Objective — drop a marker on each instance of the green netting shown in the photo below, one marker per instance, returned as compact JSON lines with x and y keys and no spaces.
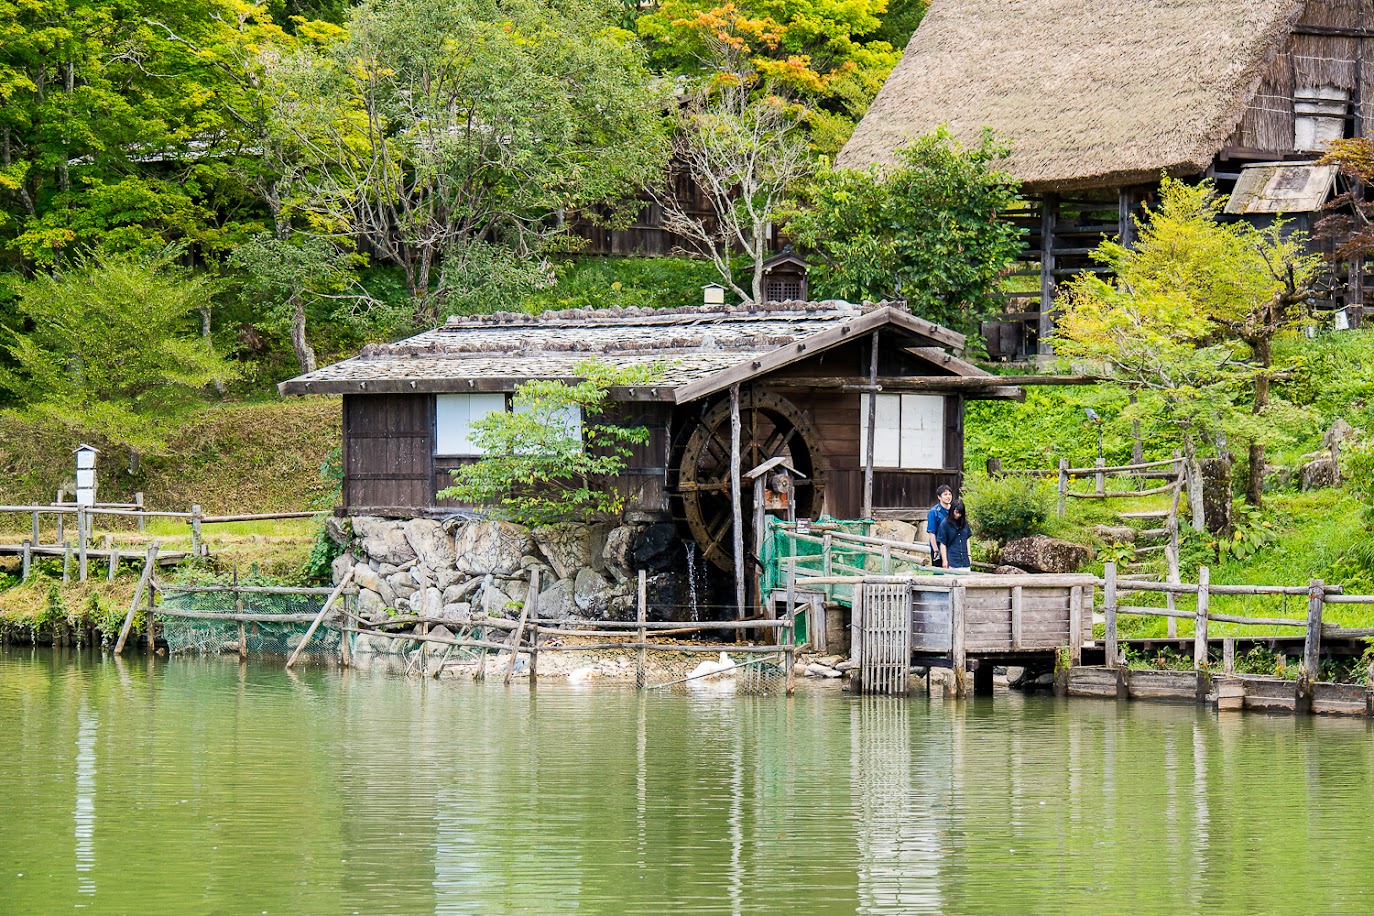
{"x":845,"y":559}
{"x":210,"y":636}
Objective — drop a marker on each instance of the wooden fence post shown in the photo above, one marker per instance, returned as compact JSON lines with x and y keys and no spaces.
{"x":1017,"y":608}
{"x":994,"y":467}
{"x":789,"y":655}
{"x":1076,"y":625}
{"x":36,"y":539}
{"x":641,"y":614}
{"x":958,"y":654}
{"x":138,"y":507}
{"x":1228,"y":655}
{"x":1171,"y":561}
{"x":1204,"y":599}
{"x":195,"y":532}
{"x":82,"y":533}
{"x":238,"y":610}
{"x":1109,"y":610}
{"x":1063,"y":485}
{"x":66,"y":562}
{"x":145,"y":581}
{"x":1101,"y":477}
{"x":61,"y":521}
{"x":531,"y":605}
{"x":1312,"y":646}
{"x":113,"y":567}
{"x":534,"y":650}
{"x":27,"y":562}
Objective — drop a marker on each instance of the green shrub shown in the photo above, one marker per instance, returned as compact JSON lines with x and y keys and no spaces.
{"x":1006,"y":508}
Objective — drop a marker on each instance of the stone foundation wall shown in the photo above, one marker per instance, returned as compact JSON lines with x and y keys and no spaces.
{"x":453,"y":568}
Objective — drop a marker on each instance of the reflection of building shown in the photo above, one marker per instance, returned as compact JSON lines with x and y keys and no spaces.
{"x":1098,"y":100}
{"x":897,"y":833}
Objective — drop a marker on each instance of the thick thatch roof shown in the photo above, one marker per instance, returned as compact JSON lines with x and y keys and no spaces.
{"x":700,"y":349}
{"x":1088,"y":94}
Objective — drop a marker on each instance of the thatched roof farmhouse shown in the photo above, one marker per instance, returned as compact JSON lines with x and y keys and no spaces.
{"x":1099,"y":99}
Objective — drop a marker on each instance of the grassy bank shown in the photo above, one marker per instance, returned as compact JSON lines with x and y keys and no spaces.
{"x":229,"y":458}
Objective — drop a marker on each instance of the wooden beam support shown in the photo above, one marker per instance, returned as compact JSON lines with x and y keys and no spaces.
{"x":1049,"y":215}
{"x":736,"y":500}
{"x":871,"y":425}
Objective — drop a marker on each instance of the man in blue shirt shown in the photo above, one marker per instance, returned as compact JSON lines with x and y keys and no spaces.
{"x":937,"y":514}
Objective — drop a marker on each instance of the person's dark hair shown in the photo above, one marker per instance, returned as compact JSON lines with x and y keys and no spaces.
{"x":958,"y":515}
{"x":942,"y":489}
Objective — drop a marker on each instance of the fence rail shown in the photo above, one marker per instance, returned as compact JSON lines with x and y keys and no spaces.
{"x":1318,"y":593}
{"x":84,"y":516}
{"x":527,"y":637}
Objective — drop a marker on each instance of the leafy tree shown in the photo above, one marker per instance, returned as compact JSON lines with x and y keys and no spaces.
{"x":1186,"y":322}
{"x":439,"y":123}
{"x":552,"y":459}
{"x":291,"y":278}
{"x":812,"y":50}
{"x":930,"y":230}
{"x":900,"y":22}
{"x":111,"y":348}
{"x":118,"y":121}
{"x":742,"y":154}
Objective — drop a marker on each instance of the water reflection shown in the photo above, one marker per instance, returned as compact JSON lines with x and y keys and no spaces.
{"x":205,"y":786}
{"x":84,"y":814}
{"x":896,"y":802}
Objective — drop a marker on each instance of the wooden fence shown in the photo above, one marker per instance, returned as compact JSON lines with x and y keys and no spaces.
{"x":1318,"y":594}
{"x":82,"y":551}
{"x":527,"y":636}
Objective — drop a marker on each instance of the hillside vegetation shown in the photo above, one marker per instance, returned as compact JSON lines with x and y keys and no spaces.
{"x":230,"y":458}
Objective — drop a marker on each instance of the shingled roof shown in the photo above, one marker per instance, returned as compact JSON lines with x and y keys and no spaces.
{"x":700,"y":349}
{"x":1088,"y":94}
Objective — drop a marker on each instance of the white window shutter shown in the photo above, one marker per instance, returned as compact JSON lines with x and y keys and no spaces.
{"x":923,"y":431}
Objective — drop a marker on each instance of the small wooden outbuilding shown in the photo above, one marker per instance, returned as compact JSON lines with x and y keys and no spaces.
{"x":1099,"y":99}
{"x":794,"y":378}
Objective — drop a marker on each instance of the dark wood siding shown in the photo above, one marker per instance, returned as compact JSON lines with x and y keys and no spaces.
{"x":388,"y":450}
{"x":645,"y":482}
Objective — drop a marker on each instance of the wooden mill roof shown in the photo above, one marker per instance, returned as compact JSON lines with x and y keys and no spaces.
{"x":1088,"y":94}
{"x":700,"y":349}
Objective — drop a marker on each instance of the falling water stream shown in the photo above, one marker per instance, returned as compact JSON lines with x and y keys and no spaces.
{"x":692,"y":581}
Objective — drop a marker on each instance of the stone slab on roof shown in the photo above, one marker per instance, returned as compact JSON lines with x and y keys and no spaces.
{"x":690,"y":345}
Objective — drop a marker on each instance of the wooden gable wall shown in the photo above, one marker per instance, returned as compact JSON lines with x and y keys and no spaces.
{"x":838,"y":416}
{"x":1324,"y":49}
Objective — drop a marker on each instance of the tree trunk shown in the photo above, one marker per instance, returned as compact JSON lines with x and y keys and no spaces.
{"x":1196,"y":510}
{"x":760,"y":248}
{"x":305,"y":354}
{"x":1254,"y":488}
{"x":205,"y":335}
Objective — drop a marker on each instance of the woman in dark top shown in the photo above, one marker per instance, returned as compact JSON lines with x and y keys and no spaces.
{"x":953,"y":538}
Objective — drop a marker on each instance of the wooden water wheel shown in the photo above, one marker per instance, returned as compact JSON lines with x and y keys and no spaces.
{"x":770,"y":427}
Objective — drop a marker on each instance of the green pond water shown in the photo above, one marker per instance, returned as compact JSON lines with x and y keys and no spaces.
{"x":197,"y":786}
